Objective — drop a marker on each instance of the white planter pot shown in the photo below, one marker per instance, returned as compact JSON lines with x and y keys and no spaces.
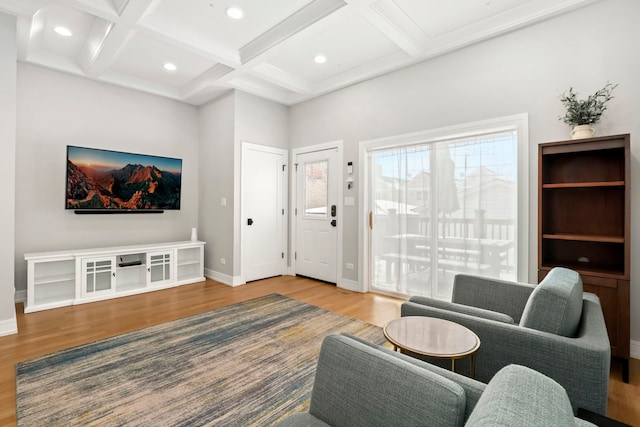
{"x":582,"y":131}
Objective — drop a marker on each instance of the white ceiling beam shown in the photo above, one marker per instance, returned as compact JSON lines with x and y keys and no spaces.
{"x":141,"y":85}
{"x":99,"y":54}
{"x":32,"y":28}
{"x":23,"y":39}
{"x":92,"y":7}
{"x":21,"y":7}
{"x":93,"y":45}
{"x":55,"y":62}
{"x":260,"y":88}
{"x":206,"y":95}
{"x":283,"y":78}
{"x":230,"y":58}
{"x":394,"y":23}
{"x":204,"y":80}
{"x":308,"y":15}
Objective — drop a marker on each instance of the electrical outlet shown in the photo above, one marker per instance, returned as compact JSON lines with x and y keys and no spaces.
{"x":223,"y":261}
{"x":349,"y":266}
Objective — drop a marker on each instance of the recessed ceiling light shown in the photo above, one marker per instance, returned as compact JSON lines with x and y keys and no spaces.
{"x":170,"y":66}
{"x":320,"y":59}
{"x":235,"y":13}
{"x":63,"y":31}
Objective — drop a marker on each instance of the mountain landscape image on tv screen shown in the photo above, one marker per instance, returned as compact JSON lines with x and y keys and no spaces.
{"x":103,"y":179}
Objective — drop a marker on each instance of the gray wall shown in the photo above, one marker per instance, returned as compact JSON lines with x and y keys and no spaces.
{"x":217,"y":135}
{"x":522,"y":72}
{"x":224,"y":124}
{"x":8,"y":55}
{"x":55,"y":110}
{"x":261,"y":121}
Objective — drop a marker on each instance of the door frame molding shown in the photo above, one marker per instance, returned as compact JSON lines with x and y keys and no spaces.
{"x":339,"y":146}
{"x":285,"y":203}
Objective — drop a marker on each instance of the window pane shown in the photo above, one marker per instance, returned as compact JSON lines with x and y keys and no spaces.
{"x":443,"y":208}
{"x":316,"y":189}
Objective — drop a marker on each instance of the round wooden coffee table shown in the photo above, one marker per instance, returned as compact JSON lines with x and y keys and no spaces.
{"x":433,"y":337}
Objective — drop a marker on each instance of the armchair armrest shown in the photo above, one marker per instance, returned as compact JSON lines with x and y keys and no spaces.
{"x":460,"y":308}
{"x":492,"y":294}
{"x":580,"y":364}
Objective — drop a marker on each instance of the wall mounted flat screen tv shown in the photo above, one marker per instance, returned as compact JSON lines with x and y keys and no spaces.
{"x":118,"y":182}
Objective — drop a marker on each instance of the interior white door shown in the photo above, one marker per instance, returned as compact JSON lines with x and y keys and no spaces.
{"x":316,"y":215}
{"x":263,"y":181}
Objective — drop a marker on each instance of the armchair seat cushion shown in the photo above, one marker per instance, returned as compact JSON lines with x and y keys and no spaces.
{"x":555,"y":305}
{"x":521,"y":396}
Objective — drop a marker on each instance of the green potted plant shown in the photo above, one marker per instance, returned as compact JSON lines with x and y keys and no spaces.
{"x":583,"y":114}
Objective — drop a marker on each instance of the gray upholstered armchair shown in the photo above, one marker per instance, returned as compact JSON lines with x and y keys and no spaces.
{"x":553,"y":328}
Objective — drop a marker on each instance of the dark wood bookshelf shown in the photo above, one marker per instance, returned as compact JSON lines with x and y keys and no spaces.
{"x":584,"y":223}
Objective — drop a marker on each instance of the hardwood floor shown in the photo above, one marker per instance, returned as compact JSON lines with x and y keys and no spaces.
{"x":52,"y":330}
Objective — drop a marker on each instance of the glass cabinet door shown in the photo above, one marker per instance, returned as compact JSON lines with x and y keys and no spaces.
{"x":98,"y":275}
{"x":160,"y":267}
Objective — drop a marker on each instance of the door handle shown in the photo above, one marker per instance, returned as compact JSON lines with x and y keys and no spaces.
{"x":333,"y":210}
{"x":333,"y":223}
{"x":250,"y":221}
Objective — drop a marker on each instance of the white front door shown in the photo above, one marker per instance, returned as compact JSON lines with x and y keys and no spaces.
{"x":316,"y":214}
{"x":263,"y":194}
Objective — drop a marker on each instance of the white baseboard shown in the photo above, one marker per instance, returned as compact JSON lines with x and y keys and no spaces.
{"x":8,"y":327}
{"x":225,"y":279}
{"x":350,"y":285}
{"x":20,"y":296}
{"x":635,"y":349}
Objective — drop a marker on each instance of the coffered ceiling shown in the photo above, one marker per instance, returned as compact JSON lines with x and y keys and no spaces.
{"x":270,"y":52}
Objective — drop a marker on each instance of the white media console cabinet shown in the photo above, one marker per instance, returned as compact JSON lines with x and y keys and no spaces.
{"x":56,"y":279}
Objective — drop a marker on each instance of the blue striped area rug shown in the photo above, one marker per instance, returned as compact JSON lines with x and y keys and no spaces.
{"x":250,"y":363}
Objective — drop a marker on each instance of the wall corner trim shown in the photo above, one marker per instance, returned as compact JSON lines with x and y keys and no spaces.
{"x":635,"y":349}
{"x":20,"y":296}
{"x":225,"y":279}
{"x":8,"y":327}
{"x":351,"y":285}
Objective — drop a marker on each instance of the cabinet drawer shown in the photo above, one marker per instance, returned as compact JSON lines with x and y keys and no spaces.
{"x":599,"y":281}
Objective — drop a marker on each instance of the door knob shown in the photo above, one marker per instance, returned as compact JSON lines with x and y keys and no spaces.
{"x":333,"y":223}
{"x":250,"y":221}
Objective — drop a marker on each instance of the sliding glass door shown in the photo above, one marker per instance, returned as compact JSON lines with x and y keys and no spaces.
{"x":441,"y":208}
